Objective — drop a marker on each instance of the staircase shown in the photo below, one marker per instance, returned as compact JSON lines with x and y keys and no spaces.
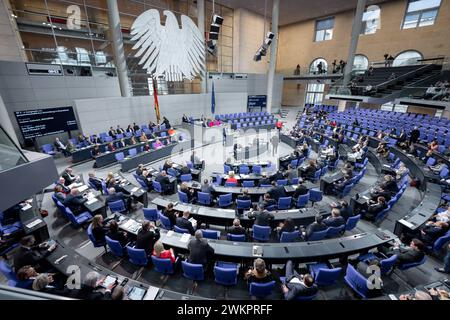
{"x":290,"y":115}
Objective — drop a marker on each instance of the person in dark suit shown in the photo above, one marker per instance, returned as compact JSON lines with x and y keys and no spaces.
{"x":135,"y":126}
{"x":185,"y":170}
{"x":316,"y":226}
{"x":167,"y":165}
{"x":300,"y":191}
{"x":62,"y":183}
{"x":96,"y":182}
{"x":339,"y":186}
{"x":413,"y":253}
{"x":147,"y":237}
{"x":140,"y":169}
{"x":116,"y":196}
{"x":428,"y":233}
{"x":199,"y":250}
{"x":185,"y":119}
{"x":69,"y":177}
{"x":99,"y":230}
{"x":115,"y":234}
{"x":95,"y":140}
{"x":268,"y":201}
{"x":206,"y":187}
{"x":310,"y":170}
{"x":374,"y":209}
{"x":335,"y":220}
{"x":365,"y":268}
{"x":287,"y":225}
{"x":389,"y":184}
{"x":189,"y":192}
{"x":244,"y":196}
{"x":184,"y":223}
{"x":278,"y":176}
{"x":297,"y":285}
{"x":264,"y":180}
{"x":28,"y":255}
{"x":74,"y":200}
{"x":60,"y":196}
{"x":145,"y":176}
{"x":277,"y":192}
{"x":344,"y":209}
{"x":262,"y":217}
{"x":91,"y":288}
{"x":236,"y":228}
{"x":170,"y":213}
{"x":112,"y":133}
{"x":164,"y":180}
{"x":380,"y":192}
{"x":414,"y":136}
{"x":130,"y":129}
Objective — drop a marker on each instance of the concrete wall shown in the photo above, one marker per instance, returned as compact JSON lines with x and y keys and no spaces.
{"x":21,"y":91}
{"x":248,"y":30}
{"x":255,"y":84}
{"x":97,"y":115}
{"x":10,"y":42}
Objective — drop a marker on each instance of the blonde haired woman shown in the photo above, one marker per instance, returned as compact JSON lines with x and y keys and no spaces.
{"x":160,"y":252}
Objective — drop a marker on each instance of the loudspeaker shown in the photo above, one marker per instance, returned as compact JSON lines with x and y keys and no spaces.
{"x":214,"y":28}
{"x":217,"y":19}
{"x":213,"y":36}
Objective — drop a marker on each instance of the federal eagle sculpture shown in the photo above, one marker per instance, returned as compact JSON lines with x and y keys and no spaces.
{"x":168,"y":51}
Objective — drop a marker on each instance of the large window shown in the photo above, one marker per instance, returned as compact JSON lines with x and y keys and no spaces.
{"x":361,"y":62}
{"x":371,"y":20}
{"x":407,"y":58}
{"x":318,"y":66}
{"x":421,"y":13}
{"x":314,"y":93}
{"x":324,"y":29}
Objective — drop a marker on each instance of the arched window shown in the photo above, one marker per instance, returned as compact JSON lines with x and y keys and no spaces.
{"x":371,"y":20}
{"x":361,"y":62}
{"x":407,"y":58}
{"x":314,"y":68}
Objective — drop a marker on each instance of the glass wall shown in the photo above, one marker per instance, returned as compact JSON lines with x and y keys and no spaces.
{"x":10,"y":155}
{"x":76,"y":32}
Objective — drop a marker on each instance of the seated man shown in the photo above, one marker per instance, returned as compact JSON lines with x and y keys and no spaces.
{"x":276,"y":192}
{"x":189,"y":192}
{"x":199,"y":250}
{"x":297,"y":285}
{"x":262,"y":217}
{"x":344,"y":209}
{"x":62,"y":183}
{"x":147,"y":178}
{"x":164,"y":180}
{"x":310,"y":171}
{"x":60,"y":196}
{"x":429,"y":233}
{"x":28,"y":254}
{"x":373,"y":209}
{"x":300,"y":191}
{"x":117,"y":196}
{"x":69,"y":177}
{"x":264,"y":180}
{"x":236,"y":228}
{"x":184,"y":223}
{"x":75,"y":200}
{"x":147,"y":236}
{"x":196,"y":161}
{"x":406,"y":254}
{"x":96,"y":182}
{"x":338,"y":186}
{"x":335,"y":220}
{"x":140,"y":169}
{"x":268,"y":201}
{"x":316,"y":226}
{"x":206,"y":187}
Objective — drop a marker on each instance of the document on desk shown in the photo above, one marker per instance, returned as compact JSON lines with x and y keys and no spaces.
{"x":134,"y":189}
{"x":83,"y":188}
{"x":152,"y":293}
{"x":170,"y":233}
{"x":194,"y":222}
{"x":406,"y":223}
{"x":185,"y":238}
{"x":392,"y":297}
{"x":91,"y":201}
{"x":33,"y":223}
{"x":26,"y":207}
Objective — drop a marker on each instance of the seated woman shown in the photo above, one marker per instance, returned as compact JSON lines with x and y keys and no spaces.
{"x":109,"y":178}
{"x":160,"y":252}
{"x":158,"y":144}
{"x":231,"y":178}
{"x":259,"y":273}
{"x":143,"y":137}
{"x":189,"y":192}
{"x":98,"y":229}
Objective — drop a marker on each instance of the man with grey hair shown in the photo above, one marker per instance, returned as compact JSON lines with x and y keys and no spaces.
{"x":118,"y":196}
{"x":418,"y":295}
{"x":92,"y":290}
{"x":74,"y":200}
{"x":184,"y":223}
{"x":199,"y":250}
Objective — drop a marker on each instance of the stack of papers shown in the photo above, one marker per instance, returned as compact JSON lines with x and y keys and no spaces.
{"x":34,"y":223}
{"x":185,"y":238}
{"x":91,"y":201}
{"x":134,"y":189}
{"x":83,"y":188}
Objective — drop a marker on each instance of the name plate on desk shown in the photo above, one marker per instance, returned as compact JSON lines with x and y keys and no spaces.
{"x":33,"y":223}
{"x":406,"y":223}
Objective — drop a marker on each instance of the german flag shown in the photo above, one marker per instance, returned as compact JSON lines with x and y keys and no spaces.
{"x":155,"y":96}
